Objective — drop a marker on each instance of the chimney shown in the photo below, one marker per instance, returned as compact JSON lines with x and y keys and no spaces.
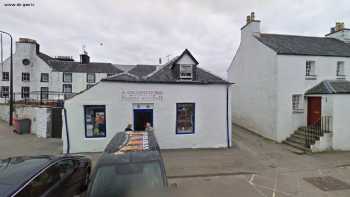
{"x":25,"y":41}
{"x":84,"y":58}
{"x":252,"y":27}
{"x":340,"y":32}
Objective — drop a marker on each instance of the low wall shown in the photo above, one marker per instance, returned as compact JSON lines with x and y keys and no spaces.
{"x":39,"y":116}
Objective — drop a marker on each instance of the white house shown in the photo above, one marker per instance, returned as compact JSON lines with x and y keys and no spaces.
{"x":187,"y":106}
{"x":273,"y":72}
{"x":39,"y":76}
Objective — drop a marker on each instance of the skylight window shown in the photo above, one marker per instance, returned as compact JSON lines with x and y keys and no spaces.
{"x":186,"y":71}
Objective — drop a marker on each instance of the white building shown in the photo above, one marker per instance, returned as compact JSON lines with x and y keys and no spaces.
{"x":187,"y":106}
{"x":35,"y":73}
{"x":272,"y":74}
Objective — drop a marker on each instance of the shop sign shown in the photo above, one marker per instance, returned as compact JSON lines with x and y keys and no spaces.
{"x":142,"y":95}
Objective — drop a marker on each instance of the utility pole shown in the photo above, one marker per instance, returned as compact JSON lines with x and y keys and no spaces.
{"x":11,"y":77}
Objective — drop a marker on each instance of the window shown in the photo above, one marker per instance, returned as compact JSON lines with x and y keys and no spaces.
{"x":297,"y":102}
{"x":186,"y":71}
{"x":25,"y":76}
{"x":44,"y":77}
{"x":26,"y":62}
{"x":67,"y":88}
{"x":4,"y":92}
{"x":25,"y":92}
{"x":340,"y":69}
{"x":5,"y":76}
{"x":89,"y":86}
{"x":110,"y":74}
{"x":185,"y":116}
{"x":44,"y":93}
{"x":310,"y":69}
{"x":67,"y":77}
{"x":90,"y":77}
{"x":95,"y":121}
{"x":65,"y":167}
{"x":43,"y":183}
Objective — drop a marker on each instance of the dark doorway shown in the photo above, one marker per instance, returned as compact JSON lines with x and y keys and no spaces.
{"x":313,"y":110}
{"x":141,"y":117}
{"x":56,"y":122}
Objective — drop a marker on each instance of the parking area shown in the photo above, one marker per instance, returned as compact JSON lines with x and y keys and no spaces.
{"x":253,"y":167}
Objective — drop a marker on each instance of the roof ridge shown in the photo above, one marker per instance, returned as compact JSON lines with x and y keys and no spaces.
{"x":275,"y":34}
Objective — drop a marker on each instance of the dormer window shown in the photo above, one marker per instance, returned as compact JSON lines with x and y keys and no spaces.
{"x":186,"y":71}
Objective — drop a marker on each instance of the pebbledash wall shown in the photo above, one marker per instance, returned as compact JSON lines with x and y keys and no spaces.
{"x":210,"y":114}
{"x":39,"y":116}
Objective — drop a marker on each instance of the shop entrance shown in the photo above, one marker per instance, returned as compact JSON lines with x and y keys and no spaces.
{"x":141,"y":117}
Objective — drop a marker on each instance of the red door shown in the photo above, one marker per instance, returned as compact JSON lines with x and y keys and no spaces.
{"x":313,"y":110}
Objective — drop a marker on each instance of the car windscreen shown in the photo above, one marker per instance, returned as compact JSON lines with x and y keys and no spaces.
{"x":121,"y":180}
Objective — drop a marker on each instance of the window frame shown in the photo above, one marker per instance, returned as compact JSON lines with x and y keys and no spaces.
{"x":67,"y":84}
{"x":46,"y":93}
{"x":185,"y":77}
{"x":25,"y":76}
{"x":340,"y":72}
{"x":298,"y":104}
{"x":7,"y":78}
{"x":310,"y":69}
{"x":105,"y":122}
{"x":22,"y":92}
{"x":193,"y":119}
{"x":42,"y":76}
{"x":94,"y":77}
{"x":64,"y":78}
{"x":2,"y":92}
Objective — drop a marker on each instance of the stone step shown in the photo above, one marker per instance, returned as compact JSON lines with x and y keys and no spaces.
{"x":295,"y":139}
{"x":302,"y":136}
{"x":302,"y":133}
{"x":298,"y":146}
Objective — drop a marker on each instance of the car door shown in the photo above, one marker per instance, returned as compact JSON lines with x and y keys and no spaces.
{"x":43,"y":184}
{"x":70,"y":176}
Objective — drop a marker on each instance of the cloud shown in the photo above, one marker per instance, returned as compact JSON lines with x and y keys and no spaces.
{"x":141,"y":31}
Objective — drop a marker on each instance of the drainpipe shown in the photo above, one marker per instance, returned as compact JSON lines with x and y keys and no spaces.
{"x":227,"y":117}
{"x":67,"y":132}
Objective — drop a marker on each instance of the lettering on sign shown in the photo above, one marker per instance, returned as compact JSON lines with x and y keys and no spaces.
{"x":141,"y":95}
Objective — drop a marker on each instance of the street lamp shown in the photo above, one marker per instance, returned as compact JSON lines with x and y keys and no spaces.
{"x":11,"y":78}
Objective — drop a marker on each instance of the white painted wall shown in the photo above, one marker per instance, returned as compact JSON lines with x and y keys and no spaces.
{"x":39,"y":116}
{"x":341,"y":123}
{"x":254,"y":96}
{"x":291,"y":80}
{"x":265,"y":83}
{"x":210,"y":115}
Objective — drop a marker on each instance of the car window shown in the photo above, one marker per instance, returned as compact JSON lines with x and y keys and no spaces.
{"x":65,"y":167}
{"x":119,"y":180}
{"x":42,"y":183}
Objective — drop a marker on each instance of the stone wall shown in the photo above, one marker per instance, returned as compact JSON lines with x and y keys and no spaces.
{"x":39,"y":116}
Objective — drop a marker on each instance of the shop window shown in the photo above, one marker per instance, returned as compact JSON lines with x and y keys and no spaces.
{"x":44,"y":77}
{"x":297,"y":103}
{"x":185,"y":118}
{"x":90,"y":77}
{"x":67,"y":77}
{"x":95,"y":121}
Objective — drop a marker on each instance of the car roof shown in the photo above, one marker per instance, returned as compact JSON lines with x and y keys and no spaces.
{"x":131,"y":147}
{"x":16,"y":171}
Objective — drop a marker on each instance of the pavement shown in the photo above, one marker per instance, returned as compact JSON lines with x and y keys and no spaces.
{"x":254,"y":167}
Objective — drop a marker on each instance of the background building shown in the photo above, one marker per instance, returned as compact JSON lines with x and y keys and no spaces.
{"x":273,"y":72}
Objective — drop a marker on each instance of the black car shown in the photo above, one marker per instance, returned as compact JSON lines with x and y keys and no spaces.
{"x":34,"y":176}
{"x":131,"y":163}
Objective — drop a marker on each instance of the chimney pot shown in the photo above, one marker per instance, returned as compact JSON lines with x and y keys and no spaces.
{"x":252,"y":16}
{"x":248,"y":19}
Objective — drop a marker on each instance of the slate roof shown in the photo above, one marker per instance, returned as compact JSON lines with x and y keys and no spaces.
{"x":71,"y":66}
{"x":330,"y":87}
{"x":142,"y":70}
{"x":166,"y":74}
{"x":303,"y":45}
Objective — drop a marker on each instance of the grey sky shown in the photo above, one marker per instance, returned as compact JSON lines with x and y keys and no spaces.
{"x":141,"y":31}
